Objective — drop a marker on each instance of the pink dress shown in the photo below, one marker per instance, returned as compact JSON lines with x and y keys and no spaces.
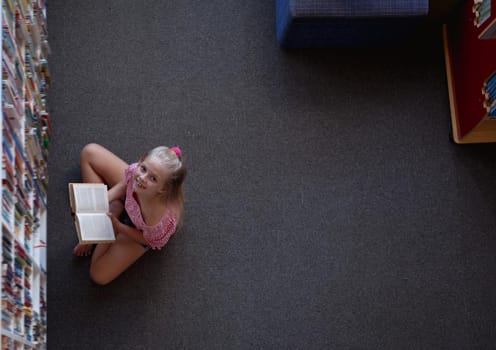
{"x":157,"y":235}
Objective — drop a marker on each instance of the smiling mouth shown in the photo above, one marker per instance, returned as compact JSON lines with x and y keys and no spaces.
{"x":139,"y":184}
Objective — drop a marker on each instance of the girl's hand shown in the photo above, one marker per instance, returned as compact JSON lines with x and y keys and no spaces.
{"x":116,"y":224}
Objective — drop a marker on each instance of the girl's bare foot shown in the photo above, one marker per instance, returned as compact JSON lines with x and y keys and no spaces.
{"x":83,"y":249}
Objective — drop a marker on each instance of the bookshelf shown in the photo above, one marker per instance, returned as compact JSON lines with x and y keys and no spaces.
{"x":24,"y":148}
{"x":470,"y":54}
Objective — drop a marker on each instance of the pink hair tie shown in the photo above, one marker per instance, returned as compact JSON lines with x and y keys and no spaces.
{"x":177,"y":151}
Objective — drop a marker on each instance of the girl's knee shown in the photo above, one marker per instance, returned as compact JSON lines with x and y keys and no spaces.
{"x":98,"y":277}
{"x":89,"y":151}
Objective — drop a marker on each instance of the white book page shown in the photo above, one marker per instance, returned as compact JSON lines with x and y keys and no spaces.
{"x":91,"y":198}
{"x":95,"y":227}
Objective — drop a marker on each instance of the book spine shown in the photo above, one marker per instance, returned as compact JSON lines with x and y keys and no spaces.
{"x":489,"y":94}
{"x":482,"y":11}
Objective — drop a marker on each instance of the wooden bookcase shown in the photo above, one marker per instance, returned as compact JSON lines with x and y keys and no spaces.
{"x":470,"y":54}
{"x":24,"y":148}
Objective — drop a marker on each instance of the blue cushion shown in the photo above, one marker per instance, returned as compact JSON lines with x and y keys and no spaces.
{"x":321,"y":23}
{"x":358,"y":8}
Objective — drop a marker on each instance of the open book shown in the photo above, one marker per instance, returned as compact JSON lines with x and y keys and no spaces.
{"x":89,"y":203}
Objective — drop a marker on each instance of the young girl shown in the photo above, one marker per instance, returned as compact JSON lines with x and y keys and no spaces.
{"x":150,"y":192}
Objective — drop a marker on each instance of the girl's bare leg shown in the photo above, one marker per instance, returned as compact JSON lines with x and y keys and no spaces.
{"x":99,"y":165}
{"x":116,"y":258}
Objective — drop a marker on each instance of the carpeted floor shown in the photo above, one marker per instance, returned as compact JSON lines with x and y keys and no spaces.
{"x":326,"y":206}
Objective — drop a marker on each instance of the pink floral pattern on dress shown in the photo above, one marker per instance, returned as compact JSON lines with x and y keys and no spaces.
{"x":157,"y":235}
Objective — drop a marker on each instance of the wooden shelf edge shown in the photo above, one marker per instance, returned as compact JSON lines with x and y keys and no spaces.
{"x":484,"y":132}
{"x":451,"y":89}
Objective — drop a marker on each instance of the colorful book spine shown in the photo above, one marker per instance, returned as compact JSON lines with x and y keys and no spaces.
{"x":489,"y":94}
{"x":482,"y":11}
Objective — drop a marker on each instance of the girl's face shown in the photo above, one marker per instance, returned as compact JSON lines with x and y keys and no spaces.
{"x":150,"y":177}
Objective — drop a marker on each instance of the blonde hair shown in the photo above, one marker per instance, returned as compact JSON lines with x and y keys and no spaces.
{"x":171,"y":158}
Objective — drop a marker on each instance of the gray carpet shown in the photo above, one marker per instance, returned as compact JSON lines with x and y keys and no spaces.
{"x":326,"y":206}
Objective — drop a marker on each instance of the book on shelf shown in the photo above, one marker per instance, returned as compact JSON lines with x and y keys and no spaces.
{"x":89,"y":203}
{"x":489,"y":93}
{"x":482,"y":11}
{"x":484,"y":18}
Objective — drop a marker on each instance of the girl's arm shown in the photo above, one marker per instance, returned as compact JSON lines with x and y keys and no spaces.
{"x":129,"y":231}
{"x":118,"y":191}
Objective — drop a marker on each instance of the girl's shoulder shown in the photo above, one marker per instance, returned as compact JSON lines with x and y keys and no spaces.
{"x":158,"y":235}
{"x":170,"y":212}
{"x":160,"y":216}
{"x":172,"y":216}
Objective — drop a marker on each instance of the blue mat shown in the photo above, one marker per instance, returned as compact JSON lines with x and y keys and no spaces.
{"x":355,"y":23}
